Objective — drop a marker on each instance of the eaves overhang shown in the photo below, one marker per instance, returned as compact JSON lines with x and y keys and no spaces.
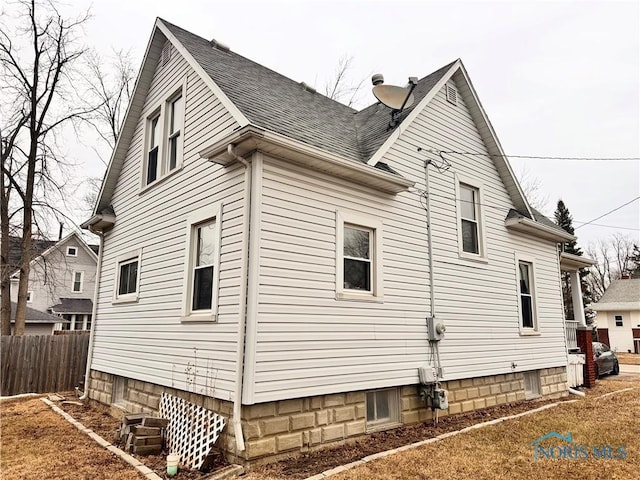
{"x":536,"y":229}
{"x":99,"y":222}
{"x":252,"y":138}
{"x":572,"y":263}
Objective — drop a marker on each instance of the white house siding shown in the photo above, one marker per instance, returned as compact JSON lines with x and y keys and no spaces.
{"x":146,"y":340}
{"x":51,"y":278}
{"x":621,"y":338}
{"x":309,"y":343}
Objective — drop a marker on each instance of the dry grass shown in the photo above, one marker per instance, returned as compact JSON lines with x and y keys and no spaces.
{"x":505,"y":451}
{"x":629,"y":358}
{"x":37,"y":443}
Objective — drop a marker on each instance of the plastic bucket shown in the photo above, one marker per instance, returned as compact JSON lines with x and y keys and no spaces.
{"x":172,"y":464}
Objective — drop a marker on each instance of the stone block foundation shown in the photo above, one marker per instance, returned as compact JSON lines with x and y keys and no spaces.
{"x":287,"y":427}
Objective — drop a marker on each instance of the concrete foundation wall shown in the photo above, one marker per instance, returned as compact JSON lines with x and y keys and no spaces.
{"x":287,"y":427}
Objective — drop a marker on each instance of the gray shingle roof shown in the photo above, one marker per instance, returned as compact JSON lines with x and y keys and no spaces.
{"x":538,"y":217}
{"x":73,"y":305}
{"x":627,"y":290}
{"x":36,"y":316}
{"x":277,"y":103}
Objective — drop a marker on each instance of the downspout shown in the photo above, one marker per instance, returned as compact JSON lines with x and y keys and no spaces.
{"x":94,"y":312}
{"x":246,"y":222}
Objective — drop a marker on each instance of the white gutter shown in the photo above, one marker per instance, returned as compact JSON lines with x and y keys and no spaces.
{"x":94,"y":311}
{"x":246,"y":217}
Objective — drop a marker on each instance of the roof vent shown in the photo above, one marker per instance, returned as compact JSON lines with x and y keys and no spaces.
{"x":307,"y":87}
{"x":452,"y":94}
{"x":377,"y":79}
{"x":220,"y":46}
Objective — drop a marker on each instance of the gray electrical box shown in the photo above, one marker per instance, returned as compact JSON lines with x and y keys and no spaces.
{"x":440,"y":399}
{"x":435,"y":329}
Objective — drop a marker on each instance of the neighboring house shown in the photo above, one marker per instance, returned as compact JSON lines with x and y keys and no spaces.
{"x":618,"y":315}
{"x":36,"y":322}
{"x":62,"y":282}
{"x":265,"y":248}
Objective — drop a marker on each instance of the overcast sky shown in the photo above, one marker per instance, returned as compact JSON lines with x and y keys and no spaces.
{"x":555,"y":78}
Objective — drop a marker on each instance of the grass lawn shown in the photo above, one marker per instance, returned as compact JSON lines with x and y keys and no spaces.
{"x":37,"y":443}
{"x":505,"y":451}
{"x":629,"y":358}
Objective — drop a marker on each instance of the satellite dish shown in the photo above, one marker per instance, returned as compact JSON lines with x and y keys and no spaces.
{"x":394,"y":97}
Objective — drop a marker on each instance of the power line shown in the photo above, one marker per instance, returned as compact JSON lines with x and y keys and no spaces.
{"x":609,"y":212}
{"x":610,"y":226}
{"x":537,"y":157}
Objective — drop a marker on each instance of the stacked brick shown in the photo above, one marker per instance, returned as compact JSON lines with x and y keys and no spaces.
{"x":142,"y":434}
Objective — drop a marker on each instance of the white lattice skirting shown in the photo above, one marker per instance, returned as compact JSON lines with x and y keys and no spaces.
{"x":192,"y":429}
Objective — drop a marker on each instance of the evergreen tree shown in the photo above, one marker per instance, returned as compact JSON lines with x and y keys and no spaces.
{"x":564,"y":219}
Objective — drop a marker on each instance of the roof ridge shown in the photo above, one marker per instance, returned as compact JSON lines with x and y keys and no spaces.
{"x":233,"y":52}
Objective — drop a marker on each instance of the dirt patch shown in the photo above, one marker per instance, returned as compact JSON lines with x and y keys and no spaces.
{"x":629,"y":358}
{"x":97,"y":417}
{"x":38,"y":443}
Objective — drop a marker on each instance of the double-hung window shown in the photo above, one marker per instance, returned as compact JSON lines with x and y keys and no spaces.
{"x":127,"y":283}
{"x":358,"y":257}
{"x":153,"y":149}
{"x":527,"y":298}
{"x":77,"y":282}
{"x":469,"y":213}
{"x":164,"y":137}
{"x":175,"y":128}
{"x":619,"y":322}
{"x":202,"y":265}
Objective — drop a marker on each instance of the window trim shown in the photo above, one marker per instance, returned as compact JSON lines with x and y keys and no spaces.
{"x":30,"y":296}
{"x":134,"y":255}
{"x":194,"y":219}
{"x":376,"y":227}
{"x":535,"y":330}
{"x":73,"y":281}
{"x":393,"y":399}
{"x":162,"y":110}
{"x":481,"y":256}
{"x":69,"y":247}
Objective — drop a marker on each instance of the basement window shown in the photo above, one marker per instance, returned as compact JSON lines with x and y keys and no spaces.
{"x":383,"y":409}
{"x":119,"y":391}
{"x":531,"y":385}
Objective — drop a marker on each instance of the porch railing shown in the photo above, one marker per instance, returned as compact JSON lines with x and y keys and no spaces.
{"x":571,"y":327}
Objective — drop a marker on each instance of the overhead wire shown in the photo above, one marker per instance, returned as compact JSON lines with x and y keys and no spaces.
{"x":537,"y":157}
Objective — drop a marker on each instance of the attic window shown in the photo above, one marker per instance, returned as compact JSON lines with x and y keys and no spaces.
{"x":72,"y":252}
{"x":166,"y":53}
{"x":452,"y":94}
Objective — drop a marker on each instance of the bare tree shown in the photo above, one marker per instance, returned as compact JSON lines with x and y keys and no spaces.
{"x":615,"y":260}
{"x":39,"y":78}
{"x":532,"y":189}
{"x":339,"y":87}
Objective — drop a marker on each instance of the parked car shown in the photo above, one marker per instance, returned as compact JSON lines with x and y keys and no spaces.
{"x":606,"y":360}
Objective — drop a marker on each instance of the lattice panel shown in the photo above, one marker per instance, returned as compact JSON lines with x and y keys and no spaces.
{"x":192,"y":429}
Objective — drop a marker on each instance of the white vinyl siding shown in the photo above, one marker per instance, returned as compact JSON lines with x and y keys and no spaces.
{"x":308,"y":343}
{"x":147,"y":340}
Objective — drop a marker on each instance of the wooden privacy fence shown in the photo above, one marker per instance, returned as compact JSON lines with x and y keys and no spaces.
{"x":42,"y":363}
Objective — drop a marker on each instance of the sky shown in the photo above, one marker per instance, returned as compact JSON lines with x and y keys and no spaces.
{"x":557,"y":79}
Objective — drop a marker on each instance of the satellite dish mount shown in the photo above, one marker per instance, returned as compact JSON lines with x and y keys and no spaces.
{"x":396,"y":98}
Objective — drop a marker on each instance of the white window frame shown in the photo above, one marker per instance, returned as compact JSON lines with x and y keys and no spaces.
{"x":69,"y":254}
{"x":30,"y":296}
{"x":132,"y":256}
{"x":532,"y":387}
{"x":179,"y":131}
{"x":73,"y":281}
{"x":375,"y":227}
{"x":615,"y":320}
{"x":162,"y":110}
{"x":481,"y":256}
{"x":393,"y":401}
{"x":194,"y":220}
{"x":535,"y":330}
